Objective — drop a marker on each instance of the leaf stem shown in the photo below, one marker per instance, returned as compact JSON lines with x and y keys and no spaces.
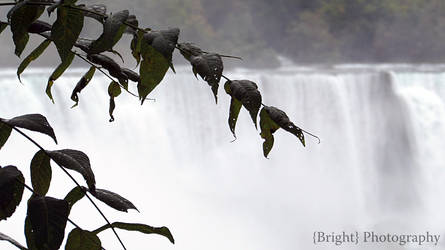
{"x":319,"y":141}
{"x":71,"y":177}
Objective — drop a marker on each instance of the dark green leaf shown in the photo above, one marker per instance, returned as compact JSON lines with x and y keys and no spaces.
{"x":111,"y":109}
{"x":268,"y":127}
{"x":210,"y":68}
{"x":135,"y":46}
{"x":77,"y":161}
{"x":110,"y":65}
{"x":75,"y":195}
{"x":153,"y":68}
{"x":163,"y":41}
{"x":247,"y":93}
{"x":113,"y":29}
{"x":12,"y":241}
{"x":281,"y":118}
{"x":66,"y":30}
{"x":83,"y":82}
{"x":164,"y":231}
{"x":3,"y":26}
{"x":33,"y":56}
{"x":40,"y":173}
{"x":38,"y":27}
{"x":22,"y":16}
{"x":30,"y":235}
{"x":47,"y":220}
{"x":11,"y":190}
{"x":57,"y":73}
{"x":235,"y":107}
{"x":113,"y":200}
{"x":79,"y":239}
{"x":33,"y":122}
{"x":5,"y":132}
{"x":131,"y":75}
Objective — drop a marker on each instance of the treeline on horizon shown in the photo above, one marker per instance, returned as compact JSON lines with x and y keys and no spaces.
{"x":308,"y":31}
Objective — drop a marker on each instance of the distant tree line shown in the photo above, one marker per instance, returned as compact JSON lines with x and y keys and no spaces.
{"x":316,"y":31}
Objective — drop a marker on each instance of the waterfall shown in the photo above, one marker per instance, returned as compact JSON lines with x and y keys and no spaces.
{"x":380,"y":164}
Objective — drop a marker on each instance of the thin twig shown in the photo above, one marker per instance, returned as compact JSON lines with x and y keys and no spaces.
{"x":71,"y":177}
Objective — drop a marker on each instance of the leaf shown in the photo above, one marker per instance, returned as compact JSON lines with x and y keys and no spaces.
{"x":81,"y":84}
{"x":11,"y":190}
{"x":30,"y":235}
{"x":22,"y":16}
{"x":164,"y":231}
{"x":247,"y":93}
{"x":75,"y":195}
{"x":12,"y":241}
{"x":113,"y":200}
{"x":3,"y":26}
{"x":75,"y":160}
{"x":271,"y":119}
{"x":164,"y":41}
{"x":268,"y":127}
{"x":5,"y":132}
{"x":66,"y":30}
{"x":114,"y":90}
{"x":235,"y":107}
{"x":38,"y":27}
{"x":131,"y":75}
{"x":153,"y":68}
{"x":79,"y":239}
{"x":41,"y":173}
{"x":33,"y":122}
{"x":188,"y":50}
{"x":57,"y":73}
{"x":210,"y":68}
{"x":113,"y":29}
{"x":47,"y":221}
{"x":96,"y":8}
{"x":33,"y":56}
{"x":110,"y":65}
{"x":135,"y":46}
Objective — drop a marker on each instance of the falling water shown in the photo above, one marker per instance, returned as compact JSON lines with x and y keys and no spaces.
{"x":380,"y":165}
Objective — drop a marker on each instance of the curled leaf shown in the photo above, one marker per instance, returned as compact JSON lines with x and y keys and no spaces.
{"x":77,"y":161}
{"x":131,"y":75}
{"x":113,"y":200}
{"x":38,"y":27}
{"x":247,"y":93}
{"x":188,"y":50}
{"x":57,"y":73}
{"x":113,"y":29}
{"x":33,"y":122}
{"x":114,"y":90}
{"x":81,"y":84}
{"x":11,"y":190}
{"x":210,"y":68}
{"x":163,"y":41}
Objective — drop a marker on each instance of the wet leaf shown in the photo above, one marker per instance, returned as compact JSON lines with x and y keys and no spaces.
{"x":11,"y":190}
{"x":5,"y":132}
{"x":188,"y":50}
{"x":47,"y":221}
{"x":235,"y":107}
{"x":271,"y":119}
{"x":210,"y":68}
{"x":114,"y":90}
{"x":79,"y":239}
{"x":22,"y":16}
{"x":66,"y":30}
{"x":113,"y":29}
{"x":57,"y":73}
{"x":33,"y":56}
{"x":41,"y":173}
{"x":164,"y":231}
{"x":38,"y":27}
{"x":12,"y":241}
{"x":113,"y":200}
{"x":81,"y":84}
{"x":75,"y":195}
{"x":268,"y":127}
{"x":164,"y":42}
{"x":247,"y":93}
{"x":77,"y":161}
{"x":33,"y":122}
{"x":153,"y":68}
